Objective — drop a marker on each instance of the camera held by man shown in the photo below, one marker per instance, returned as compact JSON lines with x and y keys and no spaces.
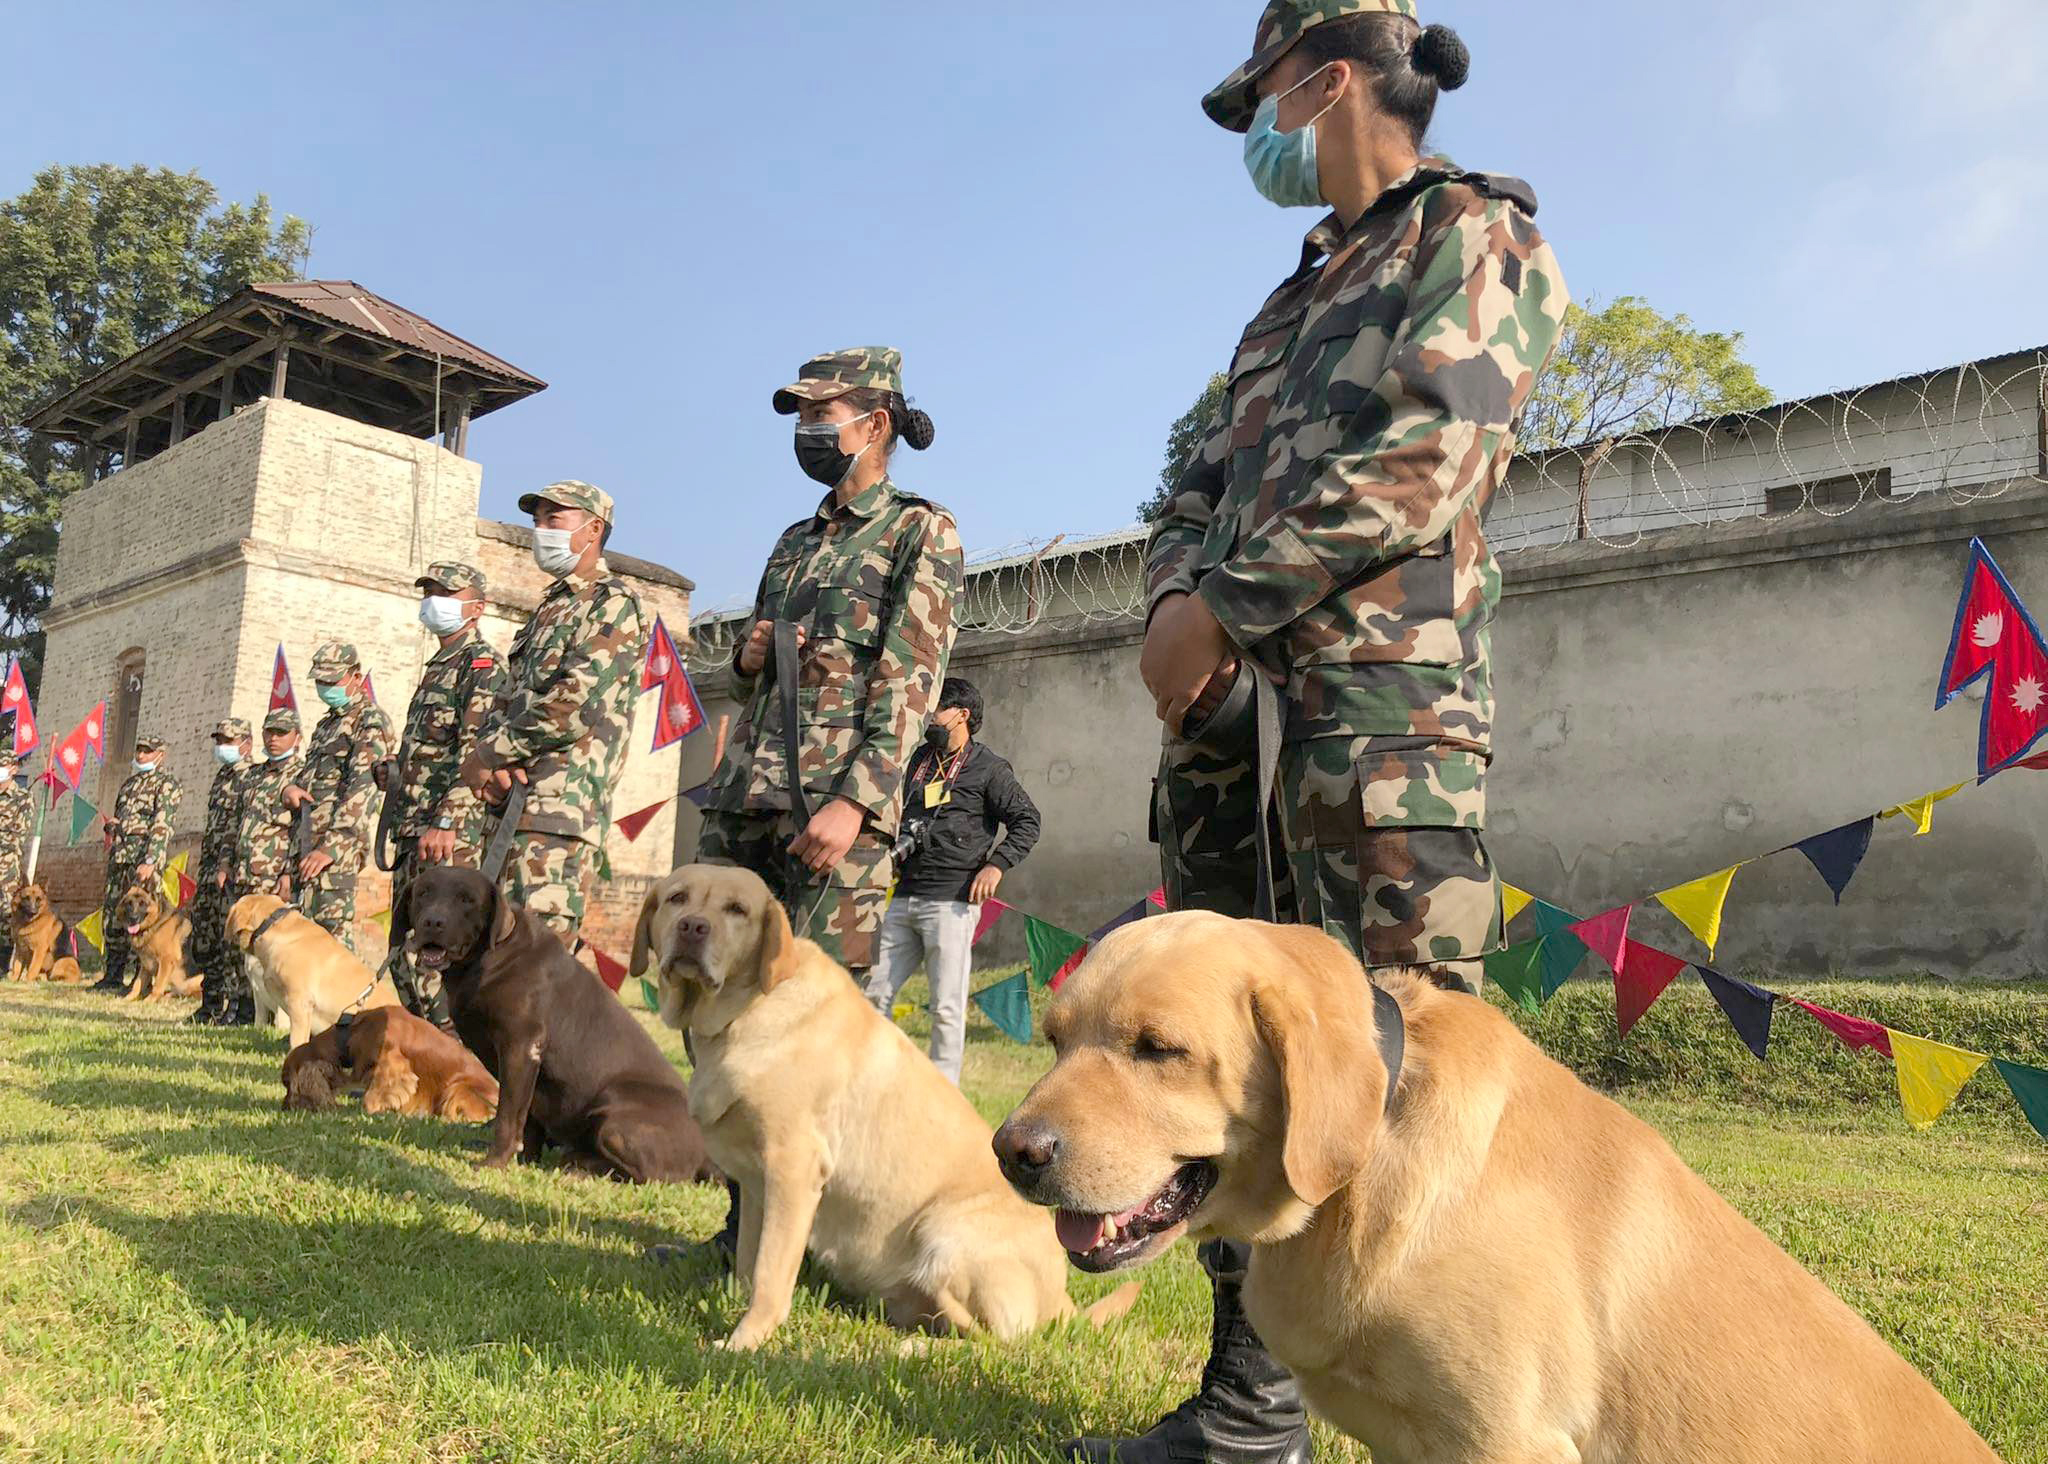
{"x":966,"y":822}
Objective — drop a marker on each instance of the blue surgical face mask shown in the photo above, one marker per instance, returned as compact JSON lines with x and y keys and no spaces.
{"x":334,"y":696}
{"x":441,"y":614}
{"x":226,"y":754}
{"x":1283,"y":164}
{"x":142,"y":767}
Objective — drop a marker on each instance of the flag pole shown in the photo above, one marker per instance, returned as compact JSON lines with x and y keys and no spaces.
{"x":35,"y":843}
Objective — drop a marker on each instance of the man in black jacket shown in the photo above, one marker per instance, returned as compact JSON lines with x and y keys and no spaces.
{"x":966,"y":820}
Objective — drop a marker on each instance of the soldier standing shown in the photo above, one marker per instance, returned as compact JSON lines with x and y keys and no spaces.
{"x":869,"y":580}
{"x":17,"y":822}
{"x":263,"y":859}
{"x":140,"y":832}
{"x":1326,"y":536}
{"x":559,"y":725}
{"x":432,"y":817}
{"x":218,"y":963}
{"x":339,"y":790}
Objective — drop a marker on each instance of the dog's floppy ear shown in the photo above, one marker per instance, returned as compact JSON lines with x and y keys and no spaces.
{"x":777,"y":954}
{"x":504,"y":917}
{"x":1313,"y":1009}
{"x":643,"y":933}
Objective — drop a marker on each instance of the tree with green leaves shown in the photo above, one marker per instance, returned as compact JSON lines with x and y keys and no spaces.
{"x":1623,"y":368}
{"x":1183,"y":440}
{"x":95,"y":263}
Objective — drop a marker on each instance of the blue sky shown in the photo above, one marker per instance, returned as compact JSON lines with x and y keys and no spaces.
{"x":662,"y":210}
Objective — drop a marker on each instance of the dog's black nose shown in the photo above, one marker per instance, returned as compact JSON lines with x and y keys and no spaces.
{"x":1025,"y":1150}
{"x":693,"y":930}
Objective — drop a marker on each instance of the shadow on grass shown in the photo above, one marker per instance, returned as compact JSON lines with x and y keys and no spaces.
{"x":448,"y":1291}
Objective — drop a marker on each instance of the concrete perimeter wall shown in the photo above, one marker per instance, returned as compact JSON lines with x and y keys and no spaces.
{"x":1666,"y":710}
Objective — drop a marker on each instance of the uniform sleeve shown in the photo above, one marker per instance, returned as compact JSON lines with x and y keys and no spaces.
{"x":1008,"y":801}
{"x":1178,"y":532}
{"x":916,"y":644}
{"x":156,"y":849}
{"x":459,"y":805}
{"x":1398,"y":458}
{"x":575,"y":670}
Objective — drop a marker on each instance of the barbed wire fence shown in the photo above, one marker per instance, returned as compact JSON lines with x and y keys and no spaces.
{"x":1967,"y":433}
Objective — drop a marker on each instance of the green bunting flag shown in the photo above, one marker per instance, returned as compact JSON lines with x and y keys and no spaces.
{"x":1518,"y":971}
{"x":650,"y":995}
{"x":82,"y":815}
{"x":1008,"y":1005}
{"x":1562,"y":951}
{"x":1050,"y":947}
{"x":2030,"y":1086}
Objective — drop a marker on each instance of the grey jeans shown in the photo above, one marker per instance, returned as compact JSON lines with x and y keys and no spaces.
{"x":940,"y":934}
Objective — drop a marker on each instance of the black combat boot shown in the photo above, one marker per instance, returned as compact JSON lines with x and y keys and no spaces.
{"x":116,"y":977}
{"x":238,"y":1011}
{"x":1248,"y":1410}
{"x":208,"y":1013}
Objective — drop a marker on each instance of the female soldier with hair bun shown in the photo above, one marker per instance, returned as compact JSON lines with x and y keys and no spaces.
{"x":869,"y":582}
{"x":1326,"y":537}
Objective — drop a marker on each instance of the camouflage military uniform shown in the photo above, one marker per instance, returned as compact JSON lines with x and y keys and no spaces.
{"x":265,"y":857}
{"x":347,"y":743}
{"x":872,"y":584}
{"x":141,"y":823}
{"x":219,"y":966}
{"x":1331,"y":521}
{"x":455,"y":694}
{"x":564,"y":715}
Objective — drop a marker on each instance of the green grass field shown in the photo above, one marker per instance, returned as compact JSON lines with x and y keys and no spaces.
{"x":189,"y":1274}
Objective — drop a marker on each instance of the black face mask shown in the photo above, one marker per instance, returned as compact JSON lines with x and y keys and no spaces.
{"x":818,"y":454}
{"x":938,"y":737}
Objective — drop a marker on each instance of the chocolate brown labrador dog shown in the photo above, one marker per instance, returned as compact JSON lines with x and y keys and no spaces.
{"x":574,"y":1068}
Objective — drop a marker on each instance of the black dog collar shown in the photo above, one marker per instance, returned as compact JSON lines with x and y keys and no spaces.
{"x":269,"y":920}
{"x":1390,"y":1028}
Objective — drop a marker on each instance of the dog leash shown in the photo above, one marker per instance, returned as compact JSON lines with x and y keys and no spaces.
{"x":787,"y":667}
{"x":508,"y":828}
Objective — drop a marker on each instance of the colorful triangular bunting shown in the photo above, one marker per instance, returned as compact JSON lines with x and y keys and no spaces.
{"x":1130,"y":916}
{"x":611,"y":972}
{"x":699,"y":795}
{"x":633,"y":825}
{"x":1070,"y":966}
{"x":651,"y":994}
{"x":1606,"y":936}
{"x":382,"y":920}
{"x":94,"y":929}
{"x":2030,"y":1086}
{"x":1051,"y":949}
{"x":1518,"y":971}
{"x":991,"y":912}
{"x":1562,"y":951}
{"x":1748,"y":1008}
{"x":1640,"y":981}
{"x":1698,"y":904}
{"x":1854,"y":1031}
{"x":1930,"y":1076}
{"x":1008,"y":1005}
{"x":82,"y":815}
{"x":1512,"y":903}
{"x":1158,"y":897}
{"x":1921,"y":810}
{"x":1836,"y":854}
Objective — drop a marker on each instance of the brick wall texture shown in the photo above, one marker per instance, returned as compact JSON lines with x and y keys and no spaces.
{"x":288,"y":525}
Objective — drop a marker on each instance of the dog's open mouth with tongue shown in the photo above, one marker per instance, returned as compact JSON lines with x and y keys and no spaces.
{"x":1098,"y":1243}
{"x":431,"y":957}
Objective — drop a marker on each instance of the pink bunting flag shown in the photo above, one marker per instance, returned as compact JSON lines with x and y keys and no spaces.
{"x":991,"y":912}
{"x":1606,"y":936}
{"x":1854,"y":1031}
{"x":1639,"y":982}
{"x":1158,"y":897}
{"x":1059,"y":977}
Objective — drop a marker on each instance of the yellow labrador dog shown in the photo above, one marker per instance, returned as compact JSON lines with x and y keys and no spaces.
{"x":302,"y":977}
{"x":842,"y":1136}
{"x":1487,"y":1263}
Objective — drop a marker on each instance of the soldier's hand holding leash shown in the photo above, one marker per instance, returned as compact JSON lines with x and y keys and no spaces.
{"x":437,"y":846}
{"x":315,"y":864}
{"x":498,"y":783}
{"x":1185,"y":653}
{"x":828,"y":836}
{"x":754,"y":654}
{"x":296,"y":797}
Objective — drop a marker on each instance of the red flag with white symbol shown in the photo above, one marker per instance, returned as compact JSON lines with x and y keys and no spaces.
{"x":95,"y":728}
{"x":662,"y":660}
{"x":678,"y":713}
{"x":67,"y":763}
{"x":1995,"y":637}
{"x":281,"y":685}
{"x":14,"y":700}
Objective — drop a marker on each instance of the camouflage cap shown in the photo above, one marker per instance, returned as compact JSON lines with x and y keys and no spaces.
{"x":571,"y":493}
{"x":874,"y":368}
{"x":334,"y":660}
{"x":1232,"y":103}
{"x":149,"y":744}
{"x":9,"y":760}
{"x":450,"y":575}
{"x":281,"y":719}
{"x":230,"y":729}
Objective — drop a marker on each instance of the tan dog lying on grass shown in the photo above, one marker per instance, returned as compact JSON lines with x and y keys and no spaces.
{"x":156,"y":933}
{"x":842,"y":1136}
{"x":1493,"y":1264}
{"x":298,"y":971}
{"x":399,"y":1062}
{"x":37,"y":934}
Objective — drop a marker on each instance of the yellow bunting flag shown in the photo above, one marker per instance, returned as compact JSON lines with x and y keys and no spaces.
{"x":1921,"y":809}
{"x":182,"y":863}
{"x":170,"y":884}
{"x":93,"y":928}
{"x":1512,"y":903}
{"x":1930,"y":1076}
{"x":1698,"y":904}
{"x":382,"y":920}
